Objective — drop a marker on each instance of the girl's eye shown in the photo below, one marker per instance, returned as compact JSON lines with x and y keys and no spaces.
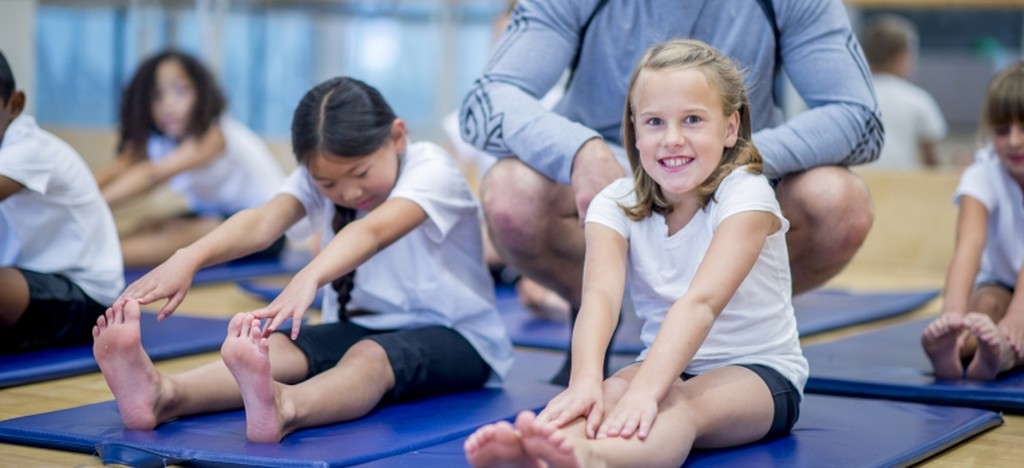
{"x":326,"y":185}
{"x":1002,"y":130}
{"x":691,"y":119}
{"x":362,"y":174}
{"x":653,"y":121}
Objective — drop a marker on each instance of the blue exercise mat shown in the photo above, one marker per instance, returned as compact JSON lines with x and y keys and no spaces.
{"x":219,"y":439}
{"x":179,"y":335}
{"x":832,"y":431}
{"x":890,"y":363}
{"x":289,"y":262}
{"x":825,"y":310}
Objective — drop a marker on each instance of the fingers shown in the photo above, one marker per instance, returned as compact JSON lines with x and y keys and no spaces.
{"x":594,"y":420}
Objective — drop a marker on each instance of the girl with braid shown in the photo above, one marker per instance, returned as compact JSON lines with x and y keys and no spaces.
{"x":409,"y":304}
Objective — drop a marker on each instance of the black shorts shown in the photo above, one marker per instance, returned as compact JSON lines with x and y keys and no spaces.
{"x":784,"y":394}
{"x":426,"y":361}
{"x":59,"y":314}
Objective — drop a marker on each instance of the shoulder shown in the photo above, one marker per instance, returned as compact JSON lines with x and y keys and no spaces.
{"x":742,"y":178}
{"x":20,"y":131}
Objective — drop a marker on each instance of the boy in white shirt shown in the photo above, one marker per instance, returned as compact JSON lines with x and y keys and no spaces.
{"x":60,"y":261}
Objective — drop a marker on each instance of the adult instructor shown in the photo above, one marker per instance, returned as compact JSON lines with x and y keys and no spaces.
{"x":555,"y":161}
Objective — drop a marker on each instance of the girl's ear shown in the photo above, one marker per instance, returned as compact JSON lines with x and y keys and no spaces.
{"x":732,"y":130}
{"x":398,"y":135}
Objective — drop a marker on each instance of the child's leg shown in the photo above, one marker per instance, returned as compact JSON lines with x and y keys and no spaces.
{"x":997,"y":350}
{"x":156,"y":243}
{"x":397,"y":365}
{"x":501,"y":444}
{"x":146,"y":397}
{"x":721,"y":408}
{"x":991,"y":300}
{"x":942,"y":341}
{"x":14,"y":296}
{"x":948,"y":342}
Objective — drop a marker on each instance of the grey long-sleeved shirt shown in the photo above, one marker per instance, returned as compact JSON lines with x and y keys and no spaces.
{"x":819,"y":53}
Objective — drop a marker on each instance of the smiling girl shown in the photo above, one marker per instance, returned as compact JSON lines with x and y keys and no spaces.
{"x":409,"y":303}
{"x":698,"y":238}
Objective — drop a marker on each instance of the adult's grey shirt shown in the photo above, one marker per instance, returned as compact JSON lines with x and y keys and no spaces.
{"x":819,"y":53}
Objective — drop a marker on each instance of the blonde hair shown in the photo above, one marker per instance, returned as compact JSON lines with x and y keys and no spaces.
{"x":1004,"y":100}
{"x":727,"y":80}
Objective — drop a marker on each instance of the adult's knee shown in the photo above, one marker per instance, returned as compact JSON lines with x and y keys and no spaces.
{"x":830,"y":203}
{"x":513,"y":204}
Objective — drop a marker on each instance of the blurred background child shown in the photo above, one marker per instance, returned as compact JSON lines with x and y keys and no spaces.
{"x":913,"y":121}
{"x":174,"y":128}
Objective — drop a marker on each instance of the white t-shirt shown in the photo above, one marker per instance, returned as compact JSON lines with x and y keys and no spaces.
{"x":59,"y":223}
{"x":987,"y":181}
{"x":910,"y":116}
{"x":757,"y":326}
{"x":245,"y":176}
{"x":435,"y":274}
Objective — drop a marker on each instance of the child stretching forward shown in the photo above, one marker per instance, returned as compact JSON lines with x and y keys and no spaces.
{"x":699,"y":234}
{"x":174,"y":128}
{"x":60,"y":263}
{"x":982,"y":319}
{"x":401,"y":259}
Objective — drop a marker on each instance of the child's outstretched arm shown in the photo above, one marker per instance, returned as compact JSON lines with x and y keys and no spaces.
{"x":8,"y":187}
{"x":115,"y":167}
{"x":734,"y":249}
{"x":971,"y":231}
{"x":604,"y":277}
{"x":142,"y":176}
{"x":353,"y":245}
{"x":245,"y":232}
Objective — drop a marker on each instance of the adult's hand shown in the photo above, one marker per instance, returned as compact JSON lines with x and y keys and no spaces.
{"x":593,"y":168}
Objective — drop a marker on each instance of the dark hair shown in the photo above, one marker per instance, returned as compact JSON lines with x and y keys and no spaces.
{"x":727,"y":80}
{"x":341,"y":116}
{"x":137,"y":101}
{"x":1004,"y":100}
{"x":7,"y":84}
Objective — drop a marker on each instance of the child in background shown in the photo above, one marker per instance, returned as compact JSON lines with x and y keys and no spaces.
{"x":173,"y":128}
{"x":60,"y":263}
{"x":700,"y":237}
{"x":912,"y":119}
{"x":401,"y":263}
{"x":982,"y":318}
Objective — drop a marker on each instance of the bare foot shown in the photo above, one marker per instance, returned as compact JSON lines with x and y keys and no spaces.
{"x":544,"y":442}
{"x":541,"y":301}
{"x":246,"y":353}
{"x":941,"y":343}
{"x":994,"y":354}
{"x":130,"y":374}
{"x":498,"y":445}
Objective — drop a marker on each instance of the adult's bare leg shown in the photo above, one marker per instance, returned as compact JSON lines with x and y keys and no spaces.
{"x":533,"y":223}
{"x":534,"y":226}
{"x":830,"y":213}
